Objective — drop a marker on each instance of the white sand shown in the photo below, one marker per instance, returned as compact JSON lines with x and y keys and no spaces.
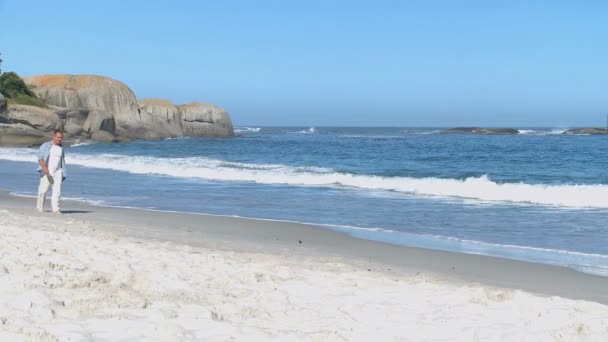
{"x":67,"y":279}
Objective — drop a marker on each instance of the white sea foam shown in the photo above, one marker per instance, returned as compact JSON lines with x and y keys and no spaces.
{"x":310,"y":130}
{"x":557,"y":131}
{"x":417,"y":131}
{"x":85,"y":143}
{"x":247,"y":129}
{"x":477,"y":188}
{"x":369,"y":136}
{"x":428,"y":132}
{"x":78,"y":199}
{"x":554,"y":131}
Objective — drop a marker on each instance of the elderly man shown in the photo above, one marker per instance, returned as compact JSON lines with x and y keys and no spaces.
{"x":51,"y":166}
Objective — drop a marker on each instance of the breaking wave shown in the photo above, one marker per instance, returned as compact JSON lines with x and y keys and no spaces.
{"x":310,"y":130}
{"x":476,"y":188}
{"x":247,"y":129}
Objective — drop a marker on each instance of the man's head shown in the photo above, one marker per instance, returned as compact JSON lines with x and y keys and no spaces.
{"x":57,"y":137}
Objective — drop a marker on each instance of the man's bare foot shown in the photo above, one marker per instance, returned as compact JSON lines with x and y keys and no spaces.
{"x":39,"y":210}
{"x":57,"y":212}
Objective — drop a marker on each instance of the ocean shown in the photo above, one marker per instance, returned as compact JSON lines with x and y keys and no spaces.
{"x":537,"y":196}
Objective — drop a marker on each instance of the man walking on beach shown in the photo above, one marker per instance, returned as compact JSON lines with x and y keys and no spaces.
{"x":51,"y":167}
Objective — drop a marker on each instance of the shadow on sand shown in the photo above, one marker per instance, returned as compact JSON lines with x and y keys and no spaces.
{"x":76,"y":211}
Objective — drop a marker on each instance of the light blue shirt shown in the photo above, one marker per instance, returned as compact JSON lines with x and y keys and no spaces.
{"x":44,"y":152}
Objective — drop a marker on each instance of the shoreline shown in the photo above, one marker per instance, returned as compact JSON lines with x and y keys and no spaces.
{"x":279,"y":238}
{"x":110,"y":274}
{"x":351,"y":231}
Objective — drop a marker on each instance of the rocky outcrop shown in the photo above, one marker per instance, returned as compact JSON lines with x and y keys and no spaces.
{"x":103,"y":136}
{"x":160,"y":117}
{"x":2,"y":104}
{"x":106,"y":100}
{"x":203,"y":119}
{"x":73,"y":120}
{"x":482,"y":131}
{"x":36,"y":117}
{"x":192,"y":119}
{"x":89,"y":104}
{"x":103,"y":109}
{"x":20,"y":135}
{"x":586,"y":131}
{"x":99,"y":121}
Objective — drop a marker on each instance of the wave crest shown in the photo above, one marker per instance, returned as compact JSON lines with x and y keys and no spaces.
{"x":247,"y":129}
{"x":477,"y":188}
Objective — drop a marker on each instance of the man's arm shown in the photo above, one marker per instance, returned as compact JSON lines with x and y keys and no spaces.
{"x":45,"y":169}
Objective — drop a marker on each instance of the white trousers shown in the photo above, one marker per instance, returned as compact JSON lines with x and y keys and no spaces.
{"x":43,"y":188}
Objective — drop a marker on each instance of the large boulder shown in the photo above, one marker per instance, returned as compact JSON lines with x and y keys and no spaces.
{"x":94,"y":93}
{"x":39,"y":118}
{"x":3,"y":104}
{"x":104,"y":136}
{"x":72,"y":120}
{"x":203,"y":119}
{"x":161,"y":117}
{"x":99,"y":121}
{"x":19,"y":135}
{"x":193,"y":119}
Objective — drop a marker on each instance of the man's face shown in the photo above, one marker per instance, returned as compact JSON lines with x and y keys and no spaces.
{"x":57,"y":138}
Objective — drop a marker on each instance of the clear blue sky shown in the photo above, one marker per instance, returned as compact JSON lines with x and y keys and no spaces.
{"x":347,"y":63}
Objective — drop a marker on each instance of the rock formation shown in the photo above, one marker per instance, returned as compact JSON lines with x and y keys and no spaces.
{"x":2,"y":104}
{"x":204,"y":119}
{"x":100,"y":108}
{"x":592,"y":131}
{"x":161,"y":116}
{"x":36,"y":117}
{"x":193,"y":119}
{"x":20,"y":135}
{"x":478,"y":130}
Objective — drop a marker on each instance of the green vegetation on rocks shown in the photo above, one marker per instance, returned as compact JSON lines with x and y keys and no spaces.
{"x":17,"y":92}
{"x":98,"y":108}
{"x":28,"y":100}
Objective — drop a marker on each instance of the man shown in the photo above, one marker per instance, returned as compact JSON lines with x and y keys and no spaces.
{"x":51,"y":166}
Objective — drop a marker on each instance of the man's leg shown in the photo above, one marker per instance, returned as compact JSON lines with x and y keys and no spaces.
{"x":42,"y":189}
{"x":56,"y":194}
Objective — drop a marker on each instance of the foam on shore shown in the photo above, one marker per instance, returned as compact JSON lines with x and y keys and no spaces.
{"x":477,"y":188}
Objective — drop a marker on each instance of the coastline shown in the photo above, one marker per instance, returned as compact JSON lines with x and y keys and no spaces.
{"x":280,"y":237}
{"x":113,"y":274}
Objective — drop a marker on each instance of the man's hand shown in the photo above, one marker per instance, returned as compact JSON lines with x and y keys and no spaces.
{"x":43,"y":167}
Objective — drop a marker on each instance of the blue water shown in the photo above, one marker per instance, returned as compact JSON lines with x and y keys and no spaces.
{"x":538,"y":196}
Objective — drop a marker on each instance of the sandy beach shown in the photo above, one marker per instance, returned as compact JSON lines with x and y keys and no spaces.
{"x":424,"y":171}
{"x":111,"y":274}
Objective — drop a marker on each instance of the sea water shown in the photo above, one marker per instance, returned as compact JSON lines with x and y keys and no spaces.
{"x":537,"y":196}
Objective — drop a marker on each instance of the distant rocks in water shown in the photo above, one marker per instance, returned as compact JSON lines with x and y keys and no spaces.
{"x":478,"y":130}
{"x":586,"y":131}
{"x":103,"y":109}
